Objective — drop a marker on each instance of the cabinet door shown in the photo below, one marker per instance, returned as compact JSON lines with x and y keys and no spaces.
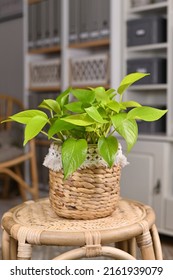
{"x":137,"y":179}
{"x":145,"y":178}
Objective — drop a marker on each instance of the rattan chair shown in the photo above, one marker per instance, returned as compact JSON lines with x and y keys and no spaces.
{"x":12,"y":153}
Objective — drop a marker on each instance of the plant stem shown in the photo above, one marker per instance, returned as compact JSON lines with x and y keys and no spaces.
{"x":54,"y":138}
{"x":112,"y":132}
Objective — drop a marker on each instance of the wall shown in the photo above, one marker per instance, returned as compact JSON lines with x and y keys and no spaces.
{"x":11,"y":57}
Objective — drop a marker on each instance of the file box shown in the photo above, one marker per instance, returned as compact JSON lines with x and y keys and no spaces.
{"x":146,"y":30}
{"x":155,"y":66}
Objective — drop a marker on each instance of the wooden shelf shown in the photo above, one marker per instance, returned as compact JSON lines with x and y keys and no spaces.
{"x":33,"y":1}
{"x":162,"y":137}
{"x":87,"y":44}
{"x":153,"y":87}
{"x":106,"y":86}
{"x":44,"y":89}
{"x":149,"y":47}
{"x":45,"y":50}
{"x":150,"y":7}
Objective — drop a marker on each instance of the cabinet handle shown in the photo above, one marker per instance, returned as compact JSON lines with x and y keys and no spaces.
{"x":157,"y":188}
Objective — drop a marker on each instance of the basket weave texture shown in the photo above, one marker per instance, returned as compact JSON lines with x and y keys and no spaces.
{"x":88,"y":193}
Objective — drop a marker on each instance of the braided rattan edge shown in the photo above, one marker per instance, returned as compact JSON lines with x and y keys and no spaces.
{"x":78,"y":238}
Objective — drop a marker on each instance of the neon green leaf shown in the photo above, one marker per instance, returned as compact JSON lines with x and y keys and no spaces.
{"x":108,"y":148}
{"x":73,"y":155}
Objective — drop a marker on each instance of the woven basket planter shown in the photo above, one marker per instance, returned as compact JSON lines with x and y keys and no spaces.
{"x":91,"y":192}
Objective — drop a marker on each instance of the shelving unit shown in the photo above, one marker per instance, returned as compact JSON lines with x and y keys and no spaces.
{"x":66,"y":52}
{"x":150,"y":174}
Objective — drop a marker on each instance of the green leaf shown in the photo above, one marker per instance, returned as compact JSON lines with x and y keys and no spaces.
{"x":50,"y":104}
{"x":33,"y":127}
{"x":146,"y":113}
{"x":103,"y":112}
{"x":94,"y":114}
{"x":73,"y":155}
{"x":86,"y":96}
{"x":62,"y":98}
{"x":111,"y":92}
{"x":129,"y":79}
{"x":128,"y":129}
{"x":130,"y":103}
{"x":59,"y":125}
{"x":75,"y":107}
{"x":101,"y":95}
{"x":108,"y":148}
{"x":78,"y":132}
{"x":25,"y":116}
{"x":79,"y":119}
{"x":114,"y":106}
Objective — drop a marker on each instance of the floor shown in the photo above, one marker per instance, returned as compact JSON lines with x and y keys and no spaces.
{"x":46,"y":252}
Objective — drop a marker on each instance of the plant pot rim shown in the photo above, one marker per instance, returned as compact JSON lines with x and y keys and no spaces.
{"x":53,"y":158}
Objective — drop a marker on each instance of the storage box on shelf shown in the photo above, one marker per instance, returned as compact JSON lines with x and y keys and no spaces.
{"x":156,"y":66}
{"x":45,"y":74}
{"x":90,"y":70}
{"x":146,"y":30}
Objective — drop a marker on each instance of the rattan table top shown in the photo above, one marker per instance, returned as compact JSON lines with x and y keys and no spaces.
{"x":41,"y":215}
{"x":42,"y":225}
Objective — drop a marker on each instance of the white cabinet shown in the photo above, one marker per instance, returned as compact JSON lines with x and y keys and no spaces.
{"x":147,"y":178}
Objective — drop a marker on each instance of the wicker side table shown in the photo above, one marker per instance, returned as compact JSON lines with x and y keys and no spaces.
{"x":35,"y":223}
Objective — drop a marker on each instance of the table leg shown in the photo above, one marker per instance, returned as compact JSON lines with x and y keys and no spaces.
{"x":156,"y":243}
{"x":128,"y":246}
{"x":13,"y":248}
{"x":132,"y":247}
{"x":5,"y":245}
{"x":24,"y":251}
{"x":144,"y":242}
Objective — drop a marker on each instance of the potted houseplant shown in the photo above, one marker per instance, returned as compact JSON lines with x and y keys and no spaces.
{"x":85,"y":158}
